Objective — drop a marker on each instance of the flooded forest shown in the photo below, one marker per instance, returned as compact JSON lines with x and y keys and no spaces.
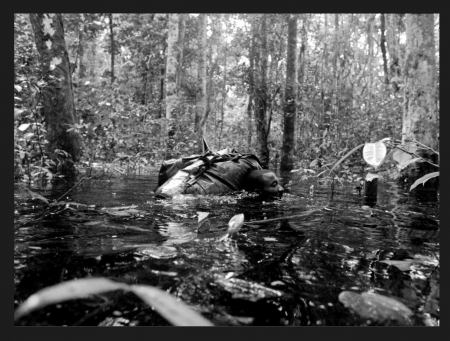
{"x":182,"y":169}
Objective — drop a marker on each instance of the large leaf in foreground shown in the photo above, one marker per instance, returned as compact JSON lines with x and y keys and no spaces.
{"x":66,"y":291}
{"x":176,"y":312}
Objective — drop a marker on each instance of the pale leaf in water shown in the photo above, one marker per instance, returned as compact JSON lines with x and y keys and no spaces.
{"x":174,"y":311}
{"x":246,"y":290}
{"x":235,"y":224}
{"x":402,"y":265}
{"x":374,"y":306}
{"x":158,"y":251}
{"x":202,"y":216}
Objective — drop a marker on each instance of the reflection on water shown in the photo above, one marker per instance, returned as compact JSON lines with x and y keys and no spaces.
{"x":287,"y":270}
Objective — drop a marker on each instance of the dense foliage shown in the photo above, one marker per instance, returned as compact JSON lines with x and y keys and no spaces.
{"x":349,"y":88}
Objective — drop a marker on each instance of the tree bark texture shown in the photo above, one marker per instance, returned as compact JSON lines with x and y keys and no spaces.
{"x":383,"y":48}
{"x":393,"y":48}
{"x":181,"y":36}
{"x":171,"y":82}
{"x":171,"y":66}
{"x":261,"y":93}
{"x":200,"y":108}
{"x":58,"y":102}
{"x":111,"y":35}
{"x":420,"y":116}
{"x":287,"y":151}
{"x":81,"y":42}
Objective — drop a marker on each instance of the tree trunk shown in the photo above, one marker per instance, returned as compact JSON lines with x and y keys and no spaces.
{"x":161,"y":110}
{"x":420,"y":119}
{"x":420,"y":114}
{"x":392,"y":45}
{"x":224,"y":88}
{"x":383,"y":48}
{"x":299,"y":132}
{"x":200,"y":108}
{"x":262,"y":115}
{"x":182,"y":31}
{"x":171,"y":66}
{"x":82,"y":70}
{"x":58,"y":102}
{"x":287,"y":153}
{"x":111,"y":35}
{"x":251,"y":85}
{"x":171,"y":79}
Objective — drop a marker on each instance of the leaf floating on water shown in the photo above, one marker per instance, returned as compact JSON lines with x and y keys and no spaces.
{"x":249,"y":291}
{"x":235,"y":224}
{"x":204,"y":224}
{"x":270,"y":239}
{"x":119,"y":208}
{"x":374,"y":306}
{"x":123,"y":212}
{"x":202,"y":216}
{"x":119,"y":213}
{"x":66,"y":291}
{"x":402,"y":265}
{"x":158,"y":251}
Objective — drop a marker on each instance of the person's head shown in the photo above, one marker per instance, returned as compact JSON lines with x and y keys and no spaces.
{"x":264,"y":181}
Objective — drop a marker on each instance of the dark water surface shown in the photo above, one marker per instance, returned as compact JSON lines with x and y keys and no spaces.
{"x":287,"y":271}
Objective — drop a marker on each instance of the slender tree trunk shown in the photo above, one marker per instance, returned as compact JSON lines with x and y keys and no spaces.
{"x":262,"y":115}
{"x":251,"y":87}
{"x":301,"y":76}
{"x":393,"y":48}
{"x":287,"y":153}
{"x":161,"y":86}
{"x":200,"y":108}
{"x":171,"y":87}
{"x":182,"y":30}
{"x":82,"y":70}
{"x":171,"y":66}
{"x":94,"y":58}
{"x":212,"y":67}
{"x":58,"y":102}
{"x":111,"y":35}
{"x":224,"y":88}
{"x":370,"y":24}
{"x":383,"y":48}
